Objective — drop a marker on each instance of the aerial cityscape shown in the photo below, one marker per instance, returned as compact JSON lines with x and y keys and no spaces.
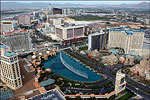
{"x":75,"y":50}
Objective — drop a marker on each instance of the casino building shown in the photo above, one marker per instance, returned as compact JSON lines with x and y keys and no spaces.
{"x":9,"y":67}
{"x":69,"y":32}
{"x":128,"y":39}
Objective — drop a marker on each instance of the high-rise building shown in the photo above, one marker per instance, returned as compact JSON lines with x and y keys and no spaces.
{"x":17,"y":40}
{"x":9,"y":67}
{"x":6,"y":26}
{"x":95,"y":40}
{"x":25,"y":19}
{"x":69,"y":32}
{"x":36,"y":14}
{"x":66,"y":11}
{"x":128,"y":39}
{"x":120,"y":83}
{"x":147,"y":21}
{"x":57,"y":11}
{"x":50,"y":11}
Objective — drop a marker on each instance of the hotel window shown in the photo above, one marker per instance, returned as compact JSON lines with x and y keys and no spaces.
{"x":15,"y":58}
{"x":16,"y":64}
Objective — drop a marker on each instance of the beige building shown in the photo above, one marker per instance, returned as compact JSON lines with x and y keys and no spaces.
{"x":142,"y":69}
{"x":10,"y":70}
{"x":111,"y":59}
{"x":69,"y":31}
{"x":130,"y":40}
{"x":26,"y":20}
{"x":6,"y":26}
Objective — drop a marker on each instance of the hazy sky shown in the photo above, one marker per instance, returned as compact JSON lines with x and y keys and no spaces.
{"x":84,"y":2}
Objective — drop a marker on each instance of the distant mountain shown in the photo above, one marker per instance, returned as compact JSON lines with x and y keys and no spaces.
{"x":11,"y":5}
{"x":143,"y":5}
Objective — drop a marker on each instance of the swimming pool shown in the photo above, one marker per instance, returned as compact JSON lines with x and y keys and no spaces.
{"x":57,"y":67}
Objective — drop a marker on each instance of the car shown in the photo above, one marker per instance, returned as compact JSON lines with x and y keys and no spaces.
{"x":137,"y":88}
{"x":143,"y":84}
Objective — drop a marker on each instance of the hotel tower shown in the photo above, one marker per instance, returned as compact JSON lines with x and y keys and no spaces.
{"x":9,"y":68}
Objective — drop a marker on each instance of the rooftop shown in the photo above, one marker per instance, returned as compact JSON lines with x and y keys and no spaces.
{"x":50,"y":95}
{"x":6,"y":94}
{"x":3,"y":46}
{"x":15,"y":31}
{"x":47,"y":82}
{"x":127,"y":30}
{"x":9,"y":54}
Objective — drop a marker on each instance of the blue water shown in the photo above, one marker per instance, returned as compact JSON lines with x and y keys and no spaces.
{"x":57,"y":67}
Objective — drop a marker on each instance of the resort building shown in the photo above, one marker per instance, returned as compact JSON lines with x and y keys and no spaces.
{"x":53,"y":11}
{"x":10,"y":70}
{"x":6,"y":26}
{"x":66,"y":11}
{"x":26,"y":20}
{"x":95,"y":41}
{"x":17,"y":40}
{"x":58,"y":21}
{"x":66,"y":32}
{"x":128,"y":39}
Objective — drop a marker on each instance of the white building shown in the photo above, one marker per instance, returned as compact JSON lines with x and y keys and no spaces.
{"x":66,"y":11}
{"x":58,"y":21}
{"x":147,"y":21}
{"x":128,"y":39}
{"x":7,"y":26}
{"x":95,"y":40}
{"x":48,"y":29}
{"x":9,"y":67}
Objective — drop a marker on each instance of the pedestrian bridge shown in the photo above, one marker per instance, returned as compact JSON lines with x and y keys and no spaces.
{"x":74,"y":70}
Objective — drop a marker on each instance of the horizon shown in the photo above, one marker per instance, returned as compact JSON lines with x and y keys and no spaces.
{"x":81,"y":2}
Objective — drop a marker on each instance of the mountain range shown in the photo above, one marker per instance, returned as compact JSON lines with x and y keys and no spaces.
{"x":15,"y":5}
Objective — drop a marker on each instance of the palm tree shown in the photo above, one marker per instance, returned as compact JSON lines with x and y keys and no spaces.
{"x":92,"y":98}
{"x":67,"y":98}
{"x":77,"y":98}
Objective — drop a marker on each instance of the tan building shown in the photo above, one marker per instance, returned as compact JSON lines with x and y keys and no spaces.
{"x":10,"y":71}
{"x":142,"y":69}
{"x":111,"y":59}
{"x":6,"y":26}
{"x":66,"y":32}
{"x":130,"y":40}
{"x":26,"y":20}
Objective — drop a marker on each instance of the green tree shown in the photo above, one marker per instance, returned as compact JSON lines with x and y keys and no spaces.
{"x":77,"y":98}
{"x":67,"y":98}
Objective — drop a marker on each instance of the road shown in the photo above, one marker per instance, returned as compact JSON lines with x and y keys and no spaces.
{"x":142,"y":94}
{"x":101,"y":91}
{"x":106,"y":71}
